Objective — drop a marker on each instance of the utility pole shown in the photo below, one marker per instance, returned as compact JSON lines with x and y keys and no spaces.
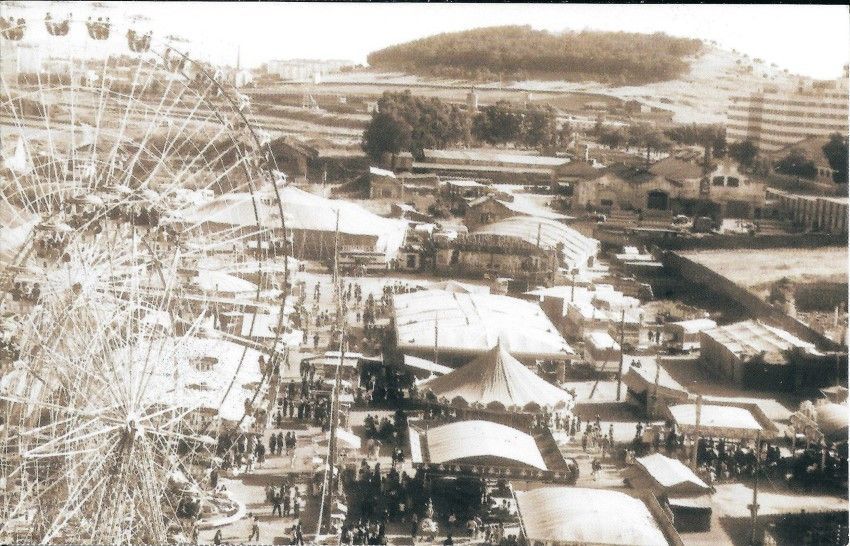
{"x":436,"y":336}
{"x":329,"y":484}
{"x":622,"y":336}
{"x":655,"y":391}
{"x":572,"y":284}
{"x":754,"y":507}
{"x":696,"y":431}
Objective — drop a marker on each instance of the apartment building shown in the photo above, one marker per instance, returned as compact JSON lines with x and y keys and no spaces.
{"x":775,"y":118}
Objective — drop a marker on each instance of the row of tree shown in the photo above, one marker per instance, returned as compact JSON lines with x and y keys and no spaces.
{"x":407,"y":122}
{"x":520,"y":52}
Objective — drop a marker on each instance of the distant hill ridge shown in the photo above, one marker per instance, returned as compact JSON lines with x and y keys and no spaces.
{"x":521,"y":52}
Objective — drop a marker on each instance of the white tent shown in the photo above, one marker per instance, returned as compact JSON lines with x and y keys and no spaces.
{"x":574,"y":515}
{"x":497,"y":378}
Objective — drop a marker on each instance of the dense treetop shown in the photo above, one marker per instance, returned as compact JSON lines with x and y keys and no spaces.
{"x":521,"y":52}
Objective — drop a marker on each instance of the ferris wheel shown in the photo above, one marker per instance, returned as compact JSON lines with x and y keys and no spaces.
{"x":140,"y":215}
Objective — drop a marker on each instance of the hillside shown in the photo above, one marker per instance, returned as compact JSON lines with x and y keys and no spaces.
{"x":520,"y":52}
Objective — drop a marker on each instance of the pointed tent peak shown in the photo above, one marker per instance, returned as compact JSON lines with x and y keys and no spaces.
{"x":502,"y":343}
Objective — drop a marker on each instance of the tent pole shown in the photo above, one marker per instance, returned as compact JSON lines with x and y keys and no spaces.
{"x":620,"y":369}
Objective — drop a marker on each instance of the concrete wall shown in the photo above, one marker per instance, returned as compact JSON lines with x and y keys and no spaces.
{"x":755,"y":306}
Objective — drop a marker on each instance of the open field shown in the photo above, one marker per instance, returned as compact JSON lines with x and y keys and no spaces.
{"x":754,"y":267}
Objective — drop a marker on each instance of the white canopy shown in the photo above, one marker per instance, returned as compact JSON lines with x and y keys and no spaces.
{"x":472,"y":324}
{"x":573,"y":515}
{"x":472,"y":439}
{"x":496,"y":377}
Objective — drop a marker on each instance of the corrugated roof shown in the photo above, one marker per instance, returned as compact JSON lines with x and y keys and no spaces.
{"x":574,"y":515}
{"x":749,"y":338}
{"x":467,"y":439}
{"x":495,"y":157}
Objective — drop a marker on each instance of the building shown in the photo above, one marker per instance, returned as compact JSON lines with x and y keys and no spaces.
{"x":575,"y":250}
{"x":684,"y":335}
{"x":650,"y":387}
{"x":688,"y":496}
{"x":455,"y":327}
{"x":754,"y":355}
{"x":677,"y":186}
{"x":384,"y":184}
{"x":494,"y":165}
{"x":311,"y":222}
{"x":775,"y":118}
{"x":492,"y":255}
{"x":494,"y":208}
{"x":305,"y":69}
{"x":812,"y":149}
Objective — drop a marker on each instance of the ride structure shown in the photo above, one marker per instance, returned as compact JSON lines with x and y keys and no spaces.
{"x":120,"y":385}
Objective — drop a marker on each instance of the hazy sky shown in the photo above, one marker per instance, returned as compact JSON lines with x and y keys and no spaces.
{"x":810,"y":40}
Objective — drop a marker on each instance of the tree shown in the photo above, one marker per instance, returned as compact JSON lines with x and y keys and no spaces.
{"x":797,"y":164}
{"x":519,"y":52}
{"x":405,"y":122}
{"x":385,"y":133}
{"x":836,"y":154}
{"x":711,"y":137}
{"x":644,"y":136}
{"x":497,"y":124}
{"x":538,"y":127}
{"x":744,"y":152}
{"x":611,"y":137}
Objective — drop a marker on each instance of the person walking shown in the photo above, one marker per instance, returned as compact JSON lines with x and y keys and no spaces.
{"x":255,"y":529}
{"x":277,"y":495}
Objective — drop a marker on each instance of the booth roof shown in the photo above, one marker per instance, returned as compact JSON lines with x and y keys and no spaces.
{"x":573,"y":515}
{"x":669,"y":472}
{"x":497,"y":377}
{"x":642,"y":378}
{"x":602,"y":340}
{"x":466,"y":439}
{"x":726,"y":420}
{"x":472,"y":323}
